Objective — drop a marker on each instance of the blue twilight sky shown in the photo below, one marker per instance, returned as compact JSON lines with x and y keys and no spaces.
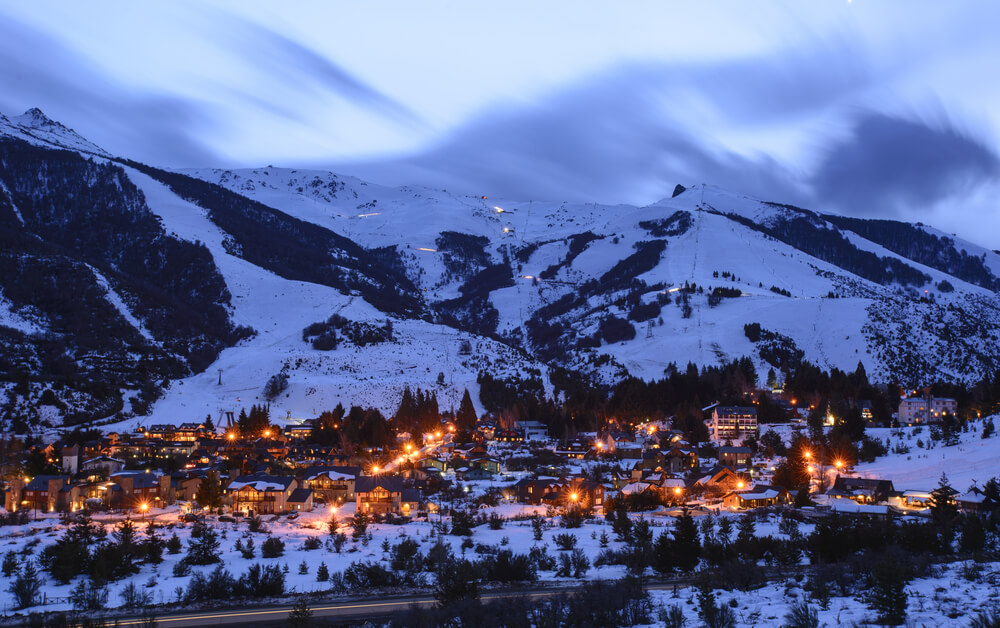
{"x":864,"y":107}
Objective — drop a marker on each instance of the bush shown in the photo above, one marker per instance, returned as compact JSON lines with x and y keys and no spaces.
{"x":565,"y":541}
{"x":507,"y":566}
{"x":272,"y":547}
{"x":802,"y":616}
{"x":312,"y":543}
{"x":367,"y":575}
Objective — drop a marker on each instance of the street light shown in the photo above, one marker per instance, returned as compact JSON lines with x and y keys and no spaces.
{"x":143,"y":507}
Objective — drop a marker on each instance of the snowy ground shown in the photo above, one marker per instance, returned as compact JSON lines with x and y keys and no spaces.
{"x":974,"y":460}
{"x":946,"y":599}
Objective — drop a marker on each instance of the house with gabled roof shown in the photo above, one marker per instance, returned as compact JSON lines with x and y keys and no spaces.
{"x":260,"y":494}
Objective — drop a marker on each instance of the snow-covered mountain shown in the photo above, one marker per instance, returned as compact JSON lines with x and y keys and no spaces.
{"x":354,"y":290}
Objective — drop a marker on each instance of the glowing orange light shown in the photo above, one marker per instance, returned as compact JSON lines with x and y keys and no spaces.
{"x":437,"y":434}
{"x":231,"y":436}
{"x":574,"y":496}
{"x":739,"y":485}
{"x":838,"y":463}
{"x":267,"y":433}
{"x":409,"y":447}
{"x":808,"y":454}
{"x":144,"y":507}
{"x":333,"y":510}
{"x":375,"y":469}
{"x":677,"y":490}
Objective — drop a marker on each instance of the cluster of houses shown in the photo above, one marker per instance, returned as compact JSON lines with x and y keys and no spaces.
{"x":281,"y":472}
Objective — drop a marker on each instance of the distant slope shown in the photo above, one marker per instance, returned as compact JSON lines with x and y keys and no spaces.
{"x":122,"y":280}
{"x":124,"y":304}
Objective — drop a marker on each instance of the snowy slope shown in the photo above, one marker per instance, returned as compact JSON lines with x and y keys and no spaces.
{"x":831,"y":332}
{"x":527,"y":285}
{"x":279,"y":309}
{"x":35,"y":127}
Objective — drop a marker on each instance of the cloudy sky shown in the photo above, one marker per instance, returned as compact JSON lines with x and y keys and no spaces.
{"x":886,"y":109}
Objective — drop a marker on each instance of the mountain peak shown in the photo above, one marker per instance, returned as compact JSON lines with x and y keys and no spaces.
{"x":36,"y":127}
{"x":35,"y":118}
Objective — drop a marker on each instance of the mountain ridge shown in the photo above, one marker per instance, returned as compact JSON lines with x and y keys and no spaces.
{"x":460,"y":285}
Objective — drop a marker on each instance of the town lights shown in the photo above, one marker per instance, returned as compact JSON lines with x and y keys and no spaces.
{"x":574,"y":496}
{"x":267,"y":433}
{"x":437,"y":434}
{"x":808,"y":454}
{"x":333,"y":510}
{"x":739,"y":485}
{"x":409,"y":447}
{"x":838,"y":463}
{"x":677,"y":490}
{"x":375,"y":469}
{"x":231,"y":436}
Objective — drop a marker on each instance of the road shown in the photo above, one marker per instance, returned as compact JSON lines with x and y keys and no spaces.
{"x":346,"y":610}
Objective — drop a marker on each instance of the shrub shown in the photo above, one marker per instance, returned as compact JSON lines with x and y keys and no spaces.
{"x":272,"y":547}
{"x":565,"y":541}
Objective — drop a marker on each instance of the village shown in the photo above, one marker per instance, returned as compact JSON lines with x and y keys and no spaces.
{"x":475,"y":503}
{"x":279,"y":472}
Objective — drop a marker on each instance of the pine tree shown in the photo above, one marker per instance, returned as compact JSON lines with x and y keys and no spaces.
{"x":203,"y":550}
{"x":300,"y":616}
{"x":174,"y":544}
{"x":886,"y":593}
{"x":465,"y":419}
{"x":943,"y":507}
{"x":687,"y":549}
{"x":322,"y":573}
{"x":209,"y":494}
{"x":209,"y":424}
{"x":26,"y":587}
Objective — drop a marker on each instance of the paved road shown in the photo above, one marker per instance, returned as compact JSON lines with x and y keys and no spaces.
{"x":351,"y":609}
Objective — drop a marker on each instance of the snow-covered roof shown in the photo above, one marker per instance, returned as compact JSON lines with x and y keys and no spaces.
{"x":635,"y":487}
{"x":261,"y":483}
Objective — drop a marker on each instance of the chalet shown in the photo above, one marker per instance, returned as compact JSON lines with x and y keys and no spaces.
{"x":733,"y":423}
{"x":759,"y":496}
{"x":436,"y":463}
{"x":509,"y":436}
{"x":301,"y":500}
{"x":130,"y":489}
{"x":490,"y":465}
{"x":735,"y":457}
{"x":975,"y":502}
{"x":261,"y":494}
{"x":674,"y":488}
{"x":383,"y":495}
{"x":721,"y":481}
{"x":105,"y":464}
{"x":563,"y":493}
{"x":331,"y":484}
{"x":160,"y":431}
{"x":190,"y":432}
{"x":680,"y":459}
{"x":574,"y":449}
{"x":862,"y":490}
{"x":41,"y":492}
